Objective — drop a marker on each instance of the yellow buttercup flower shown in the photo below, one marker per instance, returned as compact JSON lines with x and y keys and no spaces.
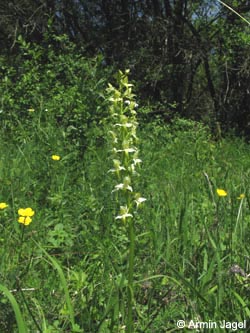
{"x":31,"y":110}
{"x":26,"y":211}
{"x":21,"y":219}
{"x":3,"y":205}
{"x":221,"y":192}
{"x":241,"y":196}
{"x":26,"y":220}
{"x":25,"y":215}
{"x":55,"y":157}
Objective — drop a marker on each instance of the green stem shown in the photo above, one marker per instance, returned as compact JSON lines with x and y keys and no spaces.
{"x":130,"y":322}
{"x":21,"y":244}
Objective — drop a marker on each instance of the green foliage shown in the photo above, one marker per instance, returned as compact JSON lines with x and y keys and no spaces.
{"x":191,"y":54}
{"x":194,"y":238}
{"x":67,"y":269}
{"x":62,"y":88}
{"x":21,"y":324}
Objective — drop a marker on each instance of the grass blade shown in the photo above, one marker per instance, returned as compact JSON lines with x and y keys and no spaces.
{"x":55,"y":264}
{"x":242,"y":302}
{"x":19,"y":319}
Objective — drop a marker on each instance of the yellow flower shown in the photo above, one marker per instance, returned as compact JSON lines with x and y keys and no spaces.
{"x":55,"y":157}
{"x":29,"y":211}
{"x":25,"y":215}
{"x":221,"y":193}
{"x":26,"y":220}
{"x":31,"y":110}
{"x":21,"y":211}
{"x":3,"y":205}
{"x":26,"y":211}
{"x":241,"y":196}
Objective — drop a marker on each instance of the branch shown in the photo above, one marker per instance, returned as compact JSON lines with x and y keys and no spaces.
{"x":246,"y":8}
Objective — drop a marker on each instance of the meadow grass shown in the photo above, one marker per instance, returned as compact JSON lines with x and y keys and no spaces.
{"x":67,"y":269}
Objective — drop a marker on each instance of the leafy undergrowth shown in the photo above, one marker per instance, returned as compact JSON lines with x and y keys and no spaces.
{"x":191,"y":256}
{"x":64,"y":253}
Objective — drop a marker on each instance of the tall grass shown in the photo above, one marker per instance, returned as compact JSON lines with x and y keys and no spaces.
{"x":20,"y":322}
{"x":190,"y":256}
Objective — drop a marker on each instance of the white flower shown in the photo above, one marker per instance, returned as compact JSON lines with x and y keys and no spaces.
{"x":127,"y":150}
{"x":137,"y":161}
{"x":139,"y":201}
{"x":124,"y":213}
{"x":133,"y":104}
{"x":123,"y":187}
{"x":133,"y":165}
{"x":117,"y":167}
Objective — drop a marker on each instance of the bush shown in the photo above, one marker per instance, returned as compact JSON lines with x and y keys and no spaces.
{"x":63,"y":88}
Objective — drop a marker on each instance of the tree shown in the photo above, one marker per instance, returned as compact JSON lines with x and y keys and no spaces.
{"x":188,"y":56}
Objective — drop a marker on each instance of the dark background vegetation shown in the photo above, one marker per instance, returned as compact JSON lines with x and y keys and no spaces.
{"x":189,"y":58}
